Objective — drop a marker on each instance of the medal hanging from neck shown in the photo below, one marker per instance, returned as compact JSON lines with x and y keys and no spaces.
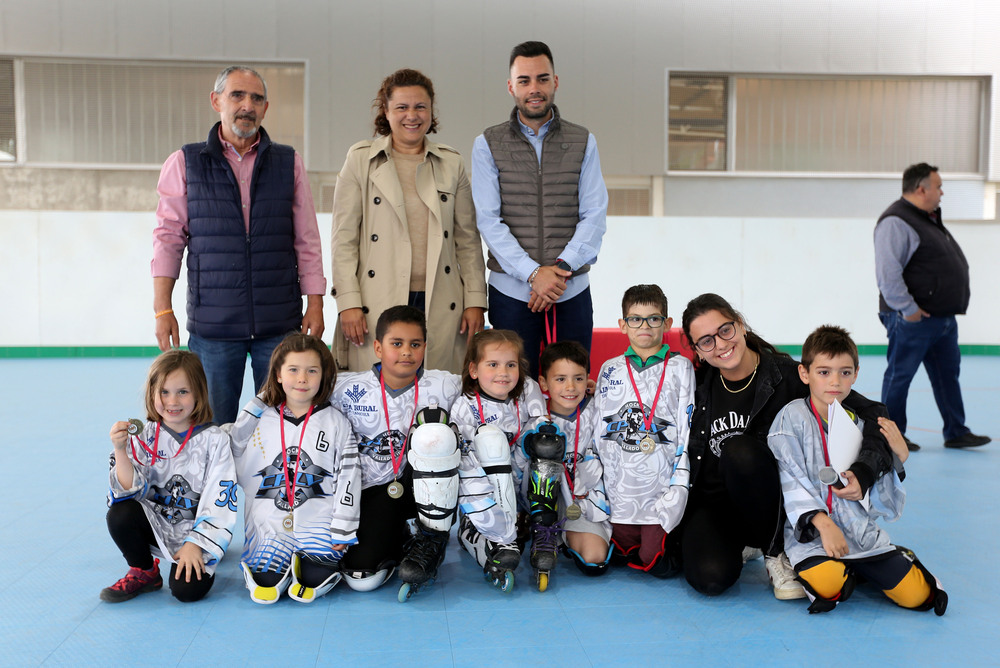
{"x":573,"y":511}
{"x":395,"y":488}
{"x":647,"y":444}
{"x":152,"y":454}
{"x":826,"y":456}
{"x":517,"y":412}
{"x":291,"y":482}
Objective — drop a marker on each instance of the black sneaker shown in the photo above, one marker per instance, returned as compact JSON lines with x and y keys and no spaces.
{"x":910,"y":445}
{"x":967,"y":440}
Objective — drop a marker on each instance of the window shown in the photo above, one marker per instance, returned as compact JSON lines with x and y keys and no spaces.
{"x":8,"y":125}
{"x":115,"y":113}
{"x":829,"y":124}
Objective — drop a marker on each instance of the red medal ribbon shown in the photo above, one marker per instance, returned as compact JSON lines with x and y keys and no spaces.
{"x":396,"y":464}
{"x":482,"y":419}
{"x":550,"y":336}
{"x":156,"y":445}
{"x":826,"y":455}
{"x":571,"y":478}
{"x":646,"y":423}
{"x":292,"y":483}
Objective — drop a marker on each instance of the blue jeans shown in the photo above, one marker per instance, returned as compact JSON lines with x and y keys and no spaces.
{"x":225,"y":364}
{"x":573,"y":321}
{"x":934,"y":342}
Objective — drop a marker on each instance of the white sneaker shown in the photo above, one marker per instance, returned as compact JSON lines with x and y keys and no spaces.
{"x":779,"y":570}
{"x":751,"y":553}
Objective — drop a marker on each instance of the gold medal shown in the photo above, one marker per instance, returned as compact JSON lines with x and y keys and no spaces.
{"x":573,"y":512}
{"x":395,"y":489}
{"x":647,"y":444}
{"x":134,"y":427}
{"x":288,"y":522}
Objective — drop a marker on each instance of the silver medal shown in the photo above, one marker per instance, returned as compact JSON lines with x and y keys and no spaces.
{"x":395,"y":489}
{"x":573,"y":512}
{"x":134,"y":427}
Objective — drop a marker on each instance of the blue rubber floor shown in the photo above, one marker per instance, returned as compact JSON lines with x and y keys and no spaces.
{"x":56,"y":556}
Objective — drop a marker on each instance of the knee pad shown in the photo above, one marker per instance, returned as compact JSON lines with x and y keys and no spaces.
{"x":303,"y":593}
{"x":493,"y":452}
{"x":825,"y":575}
{"x":544,"y":442}
{"x":588,"y":568}
{"x":369,"y":580}
{"x":936,"y":600}
{"x":434,"y":457}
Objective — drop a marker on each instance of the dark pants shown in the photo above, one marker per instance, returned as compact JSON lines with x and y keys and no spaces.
{"x":133,"y":535}
{"x":225,"y":364}
{"x":572,"y":320}
{"x":748,"y":512}
{"x":934,"y":342}
{"x":382,"y":531}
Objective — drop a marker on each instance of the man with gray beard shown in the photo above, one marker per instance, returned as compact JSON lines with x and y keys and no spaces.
{"x":242,"y":207}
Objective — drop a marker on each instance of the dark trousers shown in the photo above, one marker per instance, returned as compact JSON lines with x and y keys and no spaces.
{"x":225,"y":364}
{"x":382,"y":531}
{"x":573,"y":320}
{"x":748,"y":512}
{"x":133,"y":535}
{"x":934,"y":342}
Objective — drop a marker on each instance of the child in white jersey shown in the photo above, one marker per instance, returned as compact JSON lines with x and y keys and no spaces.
{"x":497,"y":400}
{"x":297,"y":461}
{"x":173,"y":485}
{"x":645,"y":398}
{"x":559,"y":471}
{"x":403,"y":475}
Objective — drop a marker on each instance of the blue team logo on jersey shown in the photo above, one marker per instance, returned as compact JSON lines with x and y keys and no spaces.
{"x":308,"y":483}
{"x":355,"y":393}
{"x":381,"y":446}
{"x":627,"y":427}
{"x":175,"y":500}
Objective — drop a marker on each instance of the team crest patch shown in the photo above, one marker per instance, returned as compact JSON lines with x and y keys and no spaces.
{"x":381,"y":447}
{"x":175,"y":501}
{"x":308,"y":483}
{"x":627,"y":429}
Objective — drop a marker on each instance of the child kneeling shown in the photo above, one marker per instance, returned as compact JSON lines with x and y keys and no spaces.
{"x":830,"y":536}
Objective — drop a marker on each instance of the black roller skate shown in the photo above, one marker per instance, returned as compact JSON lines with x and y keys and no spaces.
{"x":545,"y":524}
{"x":424,"y":554}
{"x":498,"y":560}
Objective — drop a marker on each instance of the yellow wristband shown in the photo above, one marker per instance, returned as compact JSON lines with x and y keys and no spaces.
{"x":163,"y":313}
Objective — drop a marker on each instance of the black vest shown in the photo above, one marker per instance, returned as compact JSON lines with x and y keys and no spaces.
{"x":937,"y":275}
{"x":241,"y":286}
{"x":539,"y":203}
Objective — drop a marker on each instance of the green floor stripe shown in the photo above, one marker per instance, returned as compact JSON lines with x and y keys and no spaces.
{"x":44,"y":352}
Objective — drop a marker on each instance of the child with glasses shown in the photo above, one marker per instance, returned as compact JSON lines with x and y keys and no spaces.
{"x":644,"y":400}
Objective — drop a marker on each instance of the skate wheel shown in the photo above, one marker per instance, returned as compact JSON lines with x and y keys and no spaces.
{"x":405,"y":592}
{"x":543,"y":581}
{"x":508,"y":582}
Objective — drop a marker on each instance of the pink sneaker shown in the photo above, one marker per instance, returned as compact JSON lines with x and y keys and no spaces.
{"x":135,"y":582}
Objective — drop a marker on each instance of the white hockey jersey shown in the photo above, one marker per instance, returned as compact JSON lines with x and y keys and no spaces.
{"x":798,"y":447}
{"x":646,"y":486}
{"x":188,"y":495}
{"x":359,"y":396}
{"x":326,"y":503}
{"x":476,"y":494}
{"x":580,"y":462}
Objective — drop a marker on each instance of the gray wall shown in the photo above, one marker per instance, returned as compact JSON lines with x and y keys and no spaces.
{"x":610,"y":55}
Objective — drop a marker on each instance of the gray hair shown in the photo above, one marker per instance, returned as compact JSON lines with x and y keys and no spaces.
{"x":220,"y":81}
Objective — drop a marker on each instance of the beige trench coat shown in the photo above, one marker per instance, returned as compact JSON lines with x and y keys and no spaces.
{"x":371,"y":249}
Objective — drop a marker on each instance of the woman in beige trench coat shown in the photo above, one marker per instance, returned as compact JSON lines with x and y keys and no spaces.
{"x":375,"y":246}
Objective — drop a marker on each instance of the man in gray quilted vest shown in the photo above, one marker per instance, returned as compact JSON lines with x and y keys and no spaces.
{"x":541,"y":207}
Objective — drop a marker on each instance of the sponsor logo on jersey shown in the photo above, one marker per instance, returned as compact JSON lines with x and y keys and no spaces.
{"x":355,"y":393}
